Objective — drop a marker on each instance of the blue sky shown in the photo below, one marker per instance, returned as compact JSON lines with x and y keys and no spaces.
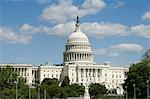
{"x":36,"y":31}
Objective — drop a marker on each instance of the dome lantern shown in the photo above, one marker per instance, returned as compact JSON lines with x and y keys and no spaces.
{"x":77,"y":24}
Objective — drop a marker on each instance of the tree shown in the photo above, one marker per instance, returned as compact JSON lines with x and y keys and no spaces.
{"x":51,"y":86}
{"x":54,"y":90}
{"x":8,"y":78}
{"x":65,"y":82}
{"x":138,"y":74}
{"x":97,"y":90}
{"x":76,"y":90}
{"x":146,"y":55}
{"x":73,"y":90}
{"x":50,"y":81}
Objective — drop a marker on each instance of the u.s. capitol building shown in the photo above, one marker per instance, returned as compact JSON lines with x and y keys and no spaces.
{"x":78,"y":65}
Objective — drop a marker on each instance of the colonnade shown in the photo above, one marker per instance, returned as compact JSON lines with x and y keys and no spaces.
{"x":90,"y":72}
{"x":21,"y":71}
{"x":78,"y":57}
{"x":87,"y":47}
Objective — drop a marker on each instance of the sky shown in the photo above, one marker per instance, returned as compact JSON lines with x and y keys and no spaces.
{"x":36,"y":31}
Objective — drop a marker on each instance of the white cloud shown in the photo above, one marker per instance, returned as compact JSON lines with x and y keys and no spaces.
{"x":44,"y":1}
{"x":95,"y":29}
{"x":141,"y":30}
{"x":100,"y":51}
{"x":105,"y":52}
{"x":29,"y":29}
{"x":116,"y":50}
{"x":62,"y":29}
{"x":113,"y":54}
{"x":9,"y":35}
{"x":146,"y":16}
{"x":135,"y":48}
{"x":98,"y":30}
{"x":65,"y":10}
{"x":58,"y":30}
{"x":117,"y":4}
{"x":101,"y":30}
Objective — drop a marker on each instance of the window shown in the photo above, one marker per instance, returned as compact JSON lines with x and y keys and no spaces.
{"x":89,"y":74}
{"x":81,"y":72}
{"x":98,"y":70}
{"x":86,"y":72}
{"x":112,"y":86}
{"x":112,"y":81}
{"x":112,"y":75}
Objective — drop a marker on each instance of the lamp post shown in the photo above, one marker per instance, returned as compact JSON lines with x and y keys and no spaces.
{"x":134,"y":91}
{"x":44,"y":94}
{"x":29,"y":93}
{"x":38,"y":93}
{"x":16,"y":89}
{"x":148,"y":97}
{"x":126,"y":93}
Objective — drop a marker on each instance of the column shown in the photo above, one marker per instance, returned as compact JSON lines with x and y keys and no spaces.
{"x":96,"y":76}
{"x":80,"y":56}
{"x":74,"y":56}
{"x":71,"y":56}
{"x":67,"y":57}
{"x":84,"y":75}
{"x":23,"y":72}
{"x":77,"y":56}
{"x":19,"y":71}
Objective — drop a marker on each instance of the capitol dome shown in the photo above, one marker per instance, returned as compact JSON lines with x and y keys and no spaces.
{"x":78,"y":49}
{"x":78,"y":36}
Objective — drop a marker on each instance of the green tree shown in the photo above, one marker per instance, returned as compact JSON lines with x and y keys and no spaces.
{"x":97,"y":90}
{"x":54,"y":90}
{"x":50,"y":81}
{"x":138,"y":74}
{"x":73,"y":90}
{"x":7,"y":77}
{"x":65,"y":82}
{"x":51,"y":86}
{"x":76,"y":90}
{"x":8,"y":80}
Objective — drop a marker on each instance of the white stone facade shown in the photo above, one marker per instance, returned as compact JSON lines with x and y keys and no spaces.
{"x":78,"y":64}
{"x":23,"y":70}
